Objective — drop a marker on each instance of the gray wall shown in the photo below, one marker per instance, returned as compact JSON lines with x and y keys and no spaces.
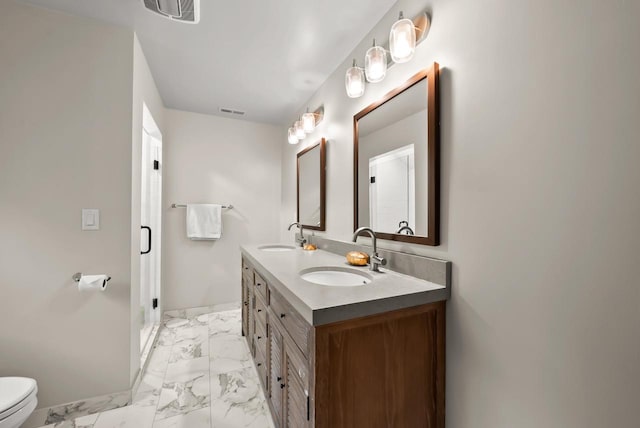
{"x":65,"y":144}
{"x":539,"y":115}
{"x":209,"y":159}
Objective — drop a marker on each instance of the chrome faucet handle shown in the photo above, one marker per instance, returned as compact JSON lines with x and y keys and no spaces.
{"x":379,"y":260}
{"x":300,"y":239}
{"x":376,"y":261}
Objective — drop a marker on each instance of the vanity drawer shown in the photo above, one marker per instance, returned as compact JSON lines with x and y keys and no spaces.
{"x":292,"y":321}
{"x":260,"y":338}
{"x":247,"y":271}
{"x":260,"y":309}
{"x":260,"y":286}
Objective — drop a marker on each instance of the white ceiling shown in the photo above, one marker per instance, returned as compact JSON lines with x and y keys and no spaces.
{"x":263,"y":57}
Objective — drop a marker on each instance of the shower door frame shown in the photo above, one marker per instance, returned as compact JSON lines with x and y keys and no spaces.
{"x":151,"y":228}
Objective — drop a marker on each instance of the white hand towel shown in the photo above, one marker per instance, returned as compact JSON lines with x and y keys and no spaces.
{"x":204,"y":221}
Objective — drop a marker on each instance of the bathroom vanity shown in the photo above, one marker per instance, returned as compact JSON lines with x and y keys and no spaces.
{"x":369,"y":355}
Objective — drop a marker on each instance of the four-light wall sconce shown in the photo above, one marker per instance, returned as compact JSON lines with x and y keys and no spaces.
{"x":404,"y":35}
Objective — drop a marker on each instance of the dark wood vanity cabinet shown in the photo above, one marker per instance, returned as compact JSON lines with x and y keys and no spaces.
{"x":383,"y":370}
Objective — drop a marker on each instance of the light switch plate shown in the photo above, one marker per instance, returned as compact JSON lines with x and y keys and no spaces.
{"x":90,"y":219}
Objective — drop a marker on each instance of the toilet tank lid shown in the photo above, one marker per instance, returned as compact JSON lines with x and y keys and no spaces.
{"x":13,"y":390}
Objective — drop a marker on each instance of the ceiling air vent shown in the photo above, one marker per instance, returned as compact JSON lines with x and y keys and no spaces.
{"x":178,"y":10}
{"x":231,"y":111}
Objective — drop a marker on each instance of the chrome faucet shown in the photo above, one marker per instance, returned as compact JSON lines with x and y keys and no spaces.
{"x":374,"y":259}
{"x":404,"y":227}
{"x":301,"y":240}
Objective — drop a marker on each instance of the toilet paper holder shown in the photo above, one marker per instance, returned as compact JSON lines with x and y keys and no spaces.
{"x":76,"y":277}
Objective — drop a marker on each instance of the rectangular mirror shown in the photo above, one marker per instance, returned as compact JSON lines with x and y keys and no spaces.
{"x":396,"y":163}
{"x":311,"y":186}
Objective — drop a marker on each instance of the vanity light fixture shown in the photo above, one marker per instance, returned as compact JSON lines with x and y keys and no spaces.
{"x":299,"y":129}
{"x":402,"y":40}
{"x":375,"y":63}
{"x":308,"y":122}
{"x":354,"y":81}
{"x":291,"y":136}
{"x":404,"y":36}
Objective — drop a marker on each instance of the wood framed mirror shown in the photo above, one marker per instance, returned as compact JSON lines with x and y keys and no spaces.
{"x":311,"y":186}
{"x":397,"y":163}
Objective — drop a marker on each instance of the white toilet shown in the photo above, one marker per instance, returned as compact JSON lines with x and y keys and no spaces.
{"x":17,"y":400}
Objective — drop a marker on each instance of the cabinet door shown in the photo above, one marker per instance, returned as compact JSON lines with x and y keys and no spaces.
{"x":245,"y":307}
{"x":248,"y":322}
{"x":276,"y":378}
{"x":297,"y":402}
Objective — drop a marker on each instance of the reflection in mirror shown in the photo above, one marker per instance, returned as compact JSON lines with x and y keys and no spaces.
{"x":392,"y":139}
{"x":311,"y":186}
{"x":396,"y":163}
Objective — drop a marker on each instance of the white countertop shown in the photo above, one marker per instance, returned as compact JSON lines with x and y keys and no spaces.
{"x":320,"y":304}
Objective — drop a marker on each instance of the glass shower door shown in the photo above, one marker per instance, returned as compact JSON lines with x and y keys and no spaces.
{"x":151,"y":200}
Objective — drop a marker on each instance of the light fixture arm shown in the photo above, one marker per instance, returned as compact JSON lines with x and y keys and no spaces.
{"x":375,"y":45}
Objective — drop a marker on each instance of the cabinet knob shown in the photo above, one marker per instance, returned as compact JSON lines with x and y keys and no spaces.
{"x":279,"y":378}
{"x":246,"y":268}
{"x":246,"y":303}
{"x":282,"y":315}
{"x":259,"y":364}
{"x":259,"y":337}
{"x":282,"y":385}
{"x":258,"y":284}
{"x":259,"y":310}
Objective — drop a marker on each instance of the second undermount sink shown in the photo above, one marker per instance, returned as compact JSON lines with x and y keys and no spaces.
{"x":335,"y":276}
{"x":277,"y":248}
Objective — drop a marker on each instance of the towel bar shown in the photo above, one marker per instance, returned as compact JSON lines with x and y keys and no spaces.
{"x":229,"y":207}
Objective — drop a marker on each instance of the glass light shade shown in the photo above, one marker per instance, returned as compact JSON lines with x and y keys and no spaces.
{"x":375,"y":64}
{"x":291,"y":136}
{"x":299,"y":130}
{"x":308,"y":122}
{"x":402,"y":40}
{"x":169,"y":7}
{"x":354,"y":81}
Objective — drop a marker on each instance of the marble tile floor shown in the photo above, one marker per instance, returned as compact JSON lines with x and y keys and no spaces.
{"x":199,"y":375}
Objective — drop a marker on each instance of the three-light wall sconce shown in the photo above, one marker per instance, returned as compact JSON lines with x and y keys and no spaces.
{"x":305,"y":125}
{"x":404,"y":35}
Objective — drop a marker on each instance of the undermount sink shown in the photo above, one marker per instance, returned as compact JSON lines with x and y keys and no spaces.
{"x":335,"y":276}
{"x":277,"y":248}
